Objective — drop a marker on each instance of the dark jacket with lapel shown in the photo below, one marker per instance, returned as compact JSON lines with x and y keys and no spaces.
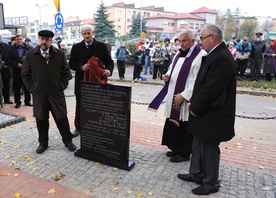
{"x":13,"y":59}
{"x":46,"y":80}
{"x":80,"y":55}
{"x":214,"y":98}
{"x":1,"y":82}
{"x":6,"y":72}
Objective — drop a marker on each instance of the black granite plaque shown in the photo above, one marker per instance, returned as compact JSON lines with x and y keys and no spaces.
{"x":105,"y":124}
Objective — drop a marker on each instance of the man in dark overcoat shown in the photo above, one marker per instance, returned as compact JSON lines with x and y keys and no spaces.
{"x":46,"y":74}
{"x":1,"y":84}
{"x":80,"y":54}
{"x":6,"y":72}
{"x":15,"y":58}
{"x":212,"y":111}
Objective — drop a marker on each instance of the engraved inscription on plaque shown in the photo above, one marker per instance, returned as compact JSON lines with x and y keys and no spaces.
{"x":105,"y":123}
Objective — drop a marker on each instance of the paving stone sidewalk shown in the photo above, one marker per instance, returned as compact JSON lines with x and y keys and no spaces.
{"x":153,"y":173}
{"x":241,"y":174}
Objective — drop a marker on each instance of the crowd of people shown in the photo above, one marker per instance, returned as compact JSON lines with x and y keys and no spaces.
{"x":155,"y":59}
{"x":257,"y":55}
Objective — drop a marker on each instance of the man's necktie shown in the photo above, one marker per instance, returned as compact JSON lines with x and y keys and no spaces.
{"x":46,"y":55}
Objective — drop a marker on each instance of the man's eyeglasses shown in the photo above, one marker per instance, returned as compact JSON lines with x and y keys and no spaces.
{"x":203,"y":38}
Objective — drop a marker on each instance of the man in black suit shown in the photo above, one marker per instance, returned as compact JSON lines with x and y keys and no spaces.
{"x":80,"y":54}
{"x":46,"y":74}
{"x":5,"y":72}
{"x":15,"y":58}
{"x":212,"y":111}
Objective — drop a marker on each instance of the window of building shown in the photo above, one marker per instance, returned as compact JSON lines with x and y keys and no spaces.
{"x":191,"y":26}
{"x":119,"y":27}
{"x":129,"y":13}
{"x":172,"y":24}
{"x":119,"y":19}
{"x":196,"y":26}
{"x":128,"y":20}
{"x":32,"y":30}
{"x":119,"y":12}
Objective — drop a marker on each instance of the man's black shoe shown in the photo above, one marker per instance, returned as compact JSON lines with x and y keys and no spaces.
{"x":29,"y":104}
{"x":179,"y":158}
{"x":76,"y":133}
{"x":41,"y":148}
{"x":171,"y":153}
{"x":188,"y":178}
{"x":71,"y":147}
{"x":17,"y":105}
{"x":8,"y":102}
{"x":203,"y":190}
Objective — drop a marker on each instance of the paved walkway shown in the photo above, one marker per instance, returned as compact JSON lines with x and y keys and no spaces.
{"x":248,"y":166}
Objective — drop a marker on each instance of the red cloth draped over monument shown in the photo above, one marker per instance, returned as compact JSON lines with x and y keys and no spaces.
{"x":95,"y":73}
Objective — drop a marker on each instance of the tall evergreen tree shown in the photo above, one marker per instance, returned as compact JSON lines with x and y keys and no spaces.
{"x":135,"y":26}
{"x":103,"y":28}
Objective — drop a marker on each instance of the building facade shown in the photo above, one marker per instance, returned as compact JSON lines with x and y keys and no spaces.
{"x":122,"y":15}
{"x":159,"y":22}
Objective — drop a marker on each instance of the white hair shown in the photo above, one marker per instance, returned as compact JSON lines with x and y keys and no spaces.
{"x":87,"y":28}
{"x":190,"y":34}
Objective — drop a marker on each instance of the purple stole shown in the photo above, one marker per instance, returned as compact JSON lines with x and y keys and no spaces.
{"x":179,"y":87}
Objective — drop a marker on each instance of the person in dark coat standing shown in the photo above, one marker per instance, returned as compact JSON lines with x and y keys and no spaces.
{"x":58,"y":42}
{"x":6,"y":72}
{"x":80,"y":54}
{"x":270,"y":60}
{"x":15,"y":58}
{"x":46,"y":74}
{"x":1,"y":84}
{"x":212,"y":111}
{"x":257,"y":54}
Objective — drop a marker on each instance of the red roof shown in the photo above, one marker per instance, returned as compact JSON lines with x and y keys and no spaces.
{"x":88,"y":21}
{"x":176,"y":16}
{"x":162,"y":16}
{"x":188,"y":16}
{"x":154,"y":28}
{"x":204,"y":10}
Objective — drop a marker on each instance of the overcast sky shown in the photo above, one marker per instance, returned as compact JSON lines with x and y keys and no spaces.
{"x":86,"y":8}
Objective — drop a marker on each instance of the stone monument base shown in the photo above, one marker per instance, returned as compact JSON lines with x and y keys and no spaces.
{"x":86,"y":154}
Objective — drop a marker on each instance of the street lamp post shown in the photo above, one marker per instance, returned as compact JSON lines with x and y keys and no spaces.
{"x":40,"y":12}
